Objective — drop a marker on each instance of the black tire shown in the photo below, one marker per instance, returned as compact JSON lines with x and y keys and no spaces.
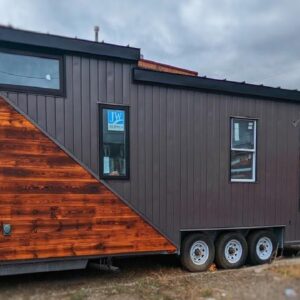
{"x":236,"y":249}
{"x":262,"y":246}
{"x":203,"y":256}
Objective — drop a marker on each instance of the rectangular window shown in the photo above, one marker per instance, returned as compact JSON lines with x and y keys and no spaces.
{"x":27,"y":72}
{"x":243,"y":150}
{"x":114,"y":144}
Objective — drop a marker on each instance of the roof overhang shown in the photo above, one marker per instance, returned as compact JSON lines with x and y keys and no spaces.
{"x":10,"y":37}
{"x":215,"y":85}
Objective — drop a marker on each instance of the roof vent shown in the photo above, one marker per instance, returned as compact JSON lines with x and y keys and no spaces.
{"x":96,"y":29}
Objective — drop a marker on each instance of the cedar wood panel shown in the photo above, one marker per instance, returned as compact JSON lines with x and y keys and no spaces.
{"x":153,"y":65}
{"x":57,"y":208}
{"x":179,"y":148}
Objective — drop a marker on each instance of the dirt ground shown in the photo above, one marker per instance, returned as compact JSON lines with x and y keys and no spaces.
{"x":159,"y":277}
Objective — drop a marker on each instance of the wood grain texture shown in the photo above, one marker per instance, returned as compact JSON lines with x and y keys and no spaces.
{"x":156,"y":66}
{"x":56,"y":208}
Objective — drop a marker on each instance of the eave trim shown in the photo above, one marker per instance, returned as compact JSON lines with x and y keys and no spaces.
{"x":21,"y":38}
{"x":215,"y":85}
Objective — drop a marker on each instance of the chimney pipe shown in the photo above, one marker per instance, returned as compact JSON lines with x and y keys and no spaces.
{"x":96,"y":29}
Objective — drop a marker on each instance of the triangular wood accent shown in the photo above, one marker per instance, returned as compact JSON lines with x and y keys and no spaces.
{"x":55,"y":207}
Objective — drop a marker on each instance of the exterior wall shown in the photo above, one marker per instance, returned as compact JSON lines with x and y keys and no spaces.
{"x":182,"y":165}
{"x":179,"y":141}
{"x":55,"y":207}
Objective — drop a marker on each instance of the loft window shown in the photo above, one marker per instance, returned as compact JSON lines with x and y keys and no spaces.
{"x":32,"y":73}
{"x":243,"y":150}
{"x":114,"y":142}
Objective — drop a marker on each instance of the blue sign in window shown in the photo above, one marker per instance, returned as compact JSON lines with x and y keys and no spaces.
{"x":115,"y":120}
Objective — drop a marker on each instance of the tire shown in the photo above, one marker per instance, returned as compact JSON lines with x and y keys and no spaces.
{"x":231,"y":251}
{"x":262,"y":245}
{"x":197,"y":252}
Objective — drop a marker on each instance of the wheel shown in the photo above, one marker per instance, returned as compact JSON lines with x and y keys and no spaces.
{"x":231,"y":250}
{"x":197,"y":252}
{"x":262,"y":245}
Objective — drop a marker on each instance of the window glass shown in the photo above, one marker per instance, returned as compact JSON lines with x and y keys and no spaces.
{"x":242,"y":165}
{"x":114,"y":142}
{"x":243,"y":134}
{"x":24,"y":70}
{"x":243,"y":150}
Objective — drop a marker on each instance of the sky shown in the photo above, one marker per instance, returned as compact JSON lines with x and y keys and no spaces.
{"x":257,"y":41}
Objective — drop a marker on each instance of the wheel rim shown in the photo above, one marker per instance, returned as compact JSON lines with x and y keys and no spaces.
{"x":264,"y":248}
{"x":233,"y":251}
{"x":199,"y":253}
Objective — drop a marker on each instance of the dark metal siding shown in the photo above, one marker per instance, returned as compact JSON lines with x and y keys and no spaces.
{"x":179,"y":148}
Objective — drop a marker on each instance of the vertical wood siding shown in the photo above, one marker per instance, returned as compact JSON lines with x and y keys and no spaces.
{"x":55,"y":207}
{"x":180,"y":147}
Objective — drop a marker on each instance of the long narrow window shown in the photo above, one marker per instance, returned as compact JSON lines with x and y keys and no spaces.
{"x":31,"y":72}
{"x":243,"y":150}
{"x":114,"y":144}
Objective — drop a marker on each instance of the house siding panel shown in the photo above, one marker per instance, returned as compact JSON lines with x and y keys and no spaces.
{"x":55,"y":207}
{"x":179,"y":148}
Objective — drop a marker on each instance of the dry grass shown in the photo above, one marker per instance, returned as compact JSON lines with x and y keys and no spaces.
{"x":157,"y":278}
{"x":78,"y":295}
{"x":288,"y":271}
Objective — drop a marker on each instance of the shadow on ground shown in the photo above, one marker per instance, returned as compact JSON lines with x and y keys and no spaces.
{"x":157,"y":277}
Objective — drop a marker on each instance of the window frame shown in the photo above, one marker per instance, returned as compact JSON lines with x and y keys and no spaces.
{"x":245,"y":150}
{"x":125,"y":108}
{"x":32,"y":89}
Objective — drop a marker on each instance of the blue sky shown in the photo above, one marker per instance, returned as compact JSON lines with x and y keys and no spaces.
{"x":253,"y":40}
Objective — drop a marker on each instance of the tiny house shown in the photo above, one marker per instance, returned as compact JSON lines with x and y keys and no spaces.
{"x":101,"y":156}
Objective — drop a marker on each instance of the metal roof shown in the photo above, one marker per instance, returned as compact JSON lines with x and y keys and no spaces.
{"x":215,"y":85}
{"x":11,"y":37}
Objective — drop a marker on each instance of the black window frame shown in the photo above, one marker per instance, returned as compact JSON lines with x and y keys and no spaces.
{"x":127,"y":140}
{"x":32,"y":89}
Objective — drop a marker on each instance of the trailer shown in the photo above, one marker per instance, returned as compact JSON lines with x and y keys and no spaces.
{"x":101,"y":157}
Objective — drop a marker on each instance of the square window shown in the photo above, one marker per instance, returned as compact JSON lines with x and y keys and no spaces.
{"x":242,"y":165}
{"x":243,"y":134}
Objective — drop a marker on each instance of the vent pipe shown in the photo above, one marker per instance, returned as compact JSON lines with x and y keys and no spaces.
{"x":96,"y":29}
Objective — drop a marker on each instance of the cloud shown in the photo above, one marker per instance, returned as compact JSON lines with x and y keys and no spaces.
{"x":250,"y":40}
